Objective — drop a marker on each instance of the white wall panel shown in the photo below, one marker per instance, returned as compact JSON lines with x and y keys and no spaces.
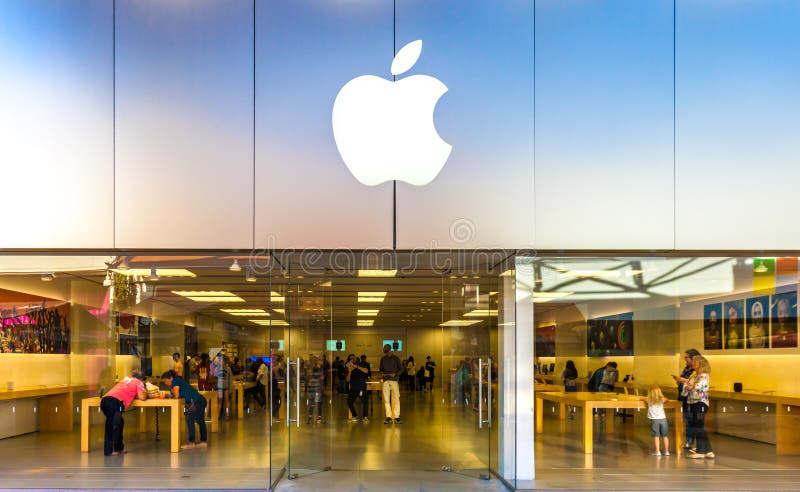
{"x":483,"y":53}
{"x":604,"y":125}
{"x":56,"y":124}
{"x":305,"y":195}
{"x":184,"y":124}
{"x":738,"y":132}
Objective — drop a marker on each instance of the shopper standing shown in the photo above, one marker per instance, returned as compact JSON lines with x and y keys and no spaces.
{"x":113,"y":404}
{"x":411,"y":372}
{"x":430,"y":369}
{"x":697,"y":398}
{"x":194,"y":409}
{"x":682,"y":394}
{"x":391,"y":367}
{"x":658,"y":419}
{"x":570,"y":376}
{"x":357,"y":378}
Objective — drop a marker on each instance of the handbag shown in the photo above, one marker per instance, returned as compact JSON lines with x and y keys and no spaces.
{"x":189,"y":408}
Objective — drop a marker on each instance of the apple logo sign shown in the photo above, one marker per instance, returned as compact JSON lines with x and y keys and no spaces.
{"x":384,"y":130}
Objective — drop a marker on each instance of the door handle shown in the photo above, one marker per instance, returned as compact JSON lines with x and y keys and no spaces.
{"x":297,"y":395}
{"x":480,"y":393}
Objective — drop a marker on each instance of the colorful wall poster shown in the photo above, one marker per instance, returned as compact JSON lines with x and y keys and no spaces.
{"x":712,"y":326}
{"x":784,"y":320}
{"x":40,"y":330}
{"x":733,"y":324}
{"x":546,"y":341}
{"x":610,"y":335}
{"x":757,"y":322}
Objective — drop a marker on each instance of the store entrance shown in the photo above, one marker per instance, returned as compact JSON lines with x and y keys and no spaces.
{"x":437,"y":334}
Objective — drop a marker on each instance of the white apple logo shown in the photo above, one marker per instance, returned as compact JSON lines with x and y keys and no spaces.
{"x":384,"y":130}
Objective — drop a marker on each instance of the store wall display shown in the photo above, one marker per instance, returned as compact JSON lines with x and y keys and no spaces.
{"x":733,"y":324}
{"x":42,"y":330}
{"x":610,"y":335}
{"x":546,"y":341}
{"x":712,"y":326}
{"x":134,"y":334}
{"x":757,"y":322}
{"x":784,"y":320}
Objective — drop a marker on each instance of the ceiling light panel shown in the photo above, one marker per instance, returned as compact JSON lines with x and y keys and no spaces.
{"x":208,"y":295}
{"x":377,"y":273}
{"x":481,"y":313}
{"x":245,"y":312}
{"x":365,"y":322}
{"x":371,"y":296}
{"x":161,"y":272}
{"x":459,"y":322}
{"x":367,"y":312}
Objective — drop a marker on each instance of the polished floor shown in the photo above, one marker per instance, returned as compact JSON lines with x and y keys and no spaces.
{"x":337,"y":455}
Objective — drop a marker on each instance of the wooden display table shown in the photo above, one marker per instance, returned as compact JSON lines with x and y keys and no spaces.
{"x":589,"y":401}
{"x":213,"y":408}
{"x":239,"y":387}
{"x":55,"y":404}
{"x":176,"y":412}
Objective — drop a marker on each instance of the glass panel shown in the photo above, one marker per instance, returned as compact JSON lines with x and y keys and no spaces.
{"x":57,"y":120}
{"x":618,"y":330}
{"x":604,"y":78}
{"x":95,"y":322}
{"x":184,"y":111}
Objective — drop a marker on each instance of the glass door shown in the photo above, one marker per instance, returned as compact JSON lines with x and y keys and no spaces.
{"x":274,"y":379}
{"x":441,"y":328}
{"x":308,"y":395}
{"x":468,"y":374}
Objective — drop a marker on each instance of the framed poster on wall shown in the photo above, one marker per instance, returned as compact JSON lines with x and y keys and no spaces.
{"x":756,"y":322}
{"x":733,"y":324}
{"x":545,"y":341}
{"x":712,"y":326}
{"x":610,"y":335}
{"x":784,"y":320}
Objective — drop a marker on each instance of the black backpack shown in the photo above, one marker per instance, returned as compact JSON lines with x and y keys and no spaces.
{"x":594,"y":381}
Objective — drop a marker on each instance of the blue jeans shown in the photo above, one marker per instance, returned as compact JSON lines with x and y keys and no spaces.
{"x":198,"y":417}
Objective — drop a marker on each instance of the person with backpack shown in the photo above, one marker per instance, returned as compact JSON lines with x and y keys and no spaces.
{"x":594,"y":381}
{"x":610,"y":378}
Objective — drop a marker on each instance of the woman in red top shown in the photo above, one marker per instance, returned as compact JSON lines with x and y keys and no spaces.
{"x":204,"y":377}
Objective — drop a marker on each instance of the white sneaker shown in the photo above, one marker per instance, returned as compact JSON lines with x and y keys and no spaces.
{"x":655,"y":453}
{"x":665,"y":453}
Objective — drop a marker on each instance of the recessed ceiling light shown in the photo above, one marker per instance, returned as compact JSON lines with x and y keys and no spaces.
{"x":367,"y":312}
{"x":269,"y":322}
{"x":365,"y":322}
{"x":245,"y":312}
{"x":249,"y":276}
{"x":208,"y":295}
{"x":459,"y":322}
{"x":377,"y":273}
{"x":235,"y":266}
{"x":275,"y":297}
{"x":481,"y":313}
{"x":371,"y":296}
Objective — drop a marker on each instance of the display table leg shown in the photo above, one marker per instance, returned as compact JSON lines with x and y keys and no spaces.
{"x":588,"y":436}
{"x":174,"y":428}
{"x":240,"y":402}
{"x":539,"y":411}
{"x":680,"y":431}
{"x":142,"y":419}
{"x":85,"y":426}
{"x":609,"y":420}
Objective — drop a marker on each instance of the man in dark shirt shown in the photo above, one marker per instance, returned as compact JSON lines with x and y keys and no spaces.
{"x":358,"y":389}
{"x":391,"y":367}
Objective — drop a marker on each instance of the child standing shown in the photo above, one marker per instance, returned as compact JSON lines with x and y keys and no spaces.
{"x":658,"y":419}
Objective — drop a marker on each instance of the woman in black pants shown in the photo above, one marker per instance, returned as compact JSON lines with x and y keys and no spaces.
{"x":697,"y":399}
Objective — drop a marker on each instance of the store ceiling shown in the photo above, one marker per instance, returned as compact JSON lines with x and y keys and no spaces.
{"x":315,"y":292}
